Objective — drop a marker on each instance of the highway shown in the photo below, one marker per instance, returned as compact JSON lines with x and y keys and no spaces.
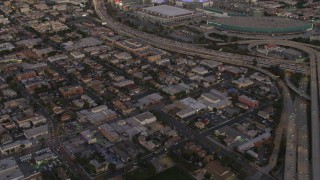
{"x":287,"y":108}
{"x":314,"y":57}
{"x":295,"y":89}
{"x":291,"y":145}
{"x":238,"y":60}
{"x":176,"y":46}
{"x":302,"y":134}
{"x":297,"y":151}
{"x":315,"y":144}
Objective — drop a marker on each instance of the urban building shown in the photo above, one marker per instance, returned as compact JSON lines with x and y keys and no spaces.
{"x":248,"y":101}
{"x":166,"y":14}
{"x":145,"y":118}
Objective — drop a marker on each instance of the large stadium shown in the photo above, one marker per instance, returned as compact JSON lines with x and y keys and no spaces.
{"x":260,"y":25}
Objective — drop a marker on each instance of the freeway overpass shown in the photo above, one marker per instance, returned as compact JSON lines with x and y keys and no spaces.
{"x":234,"y":59}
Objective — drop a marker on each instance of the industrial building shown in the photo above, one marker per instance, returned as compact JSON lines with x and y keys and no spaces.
{"x":166,"y":14}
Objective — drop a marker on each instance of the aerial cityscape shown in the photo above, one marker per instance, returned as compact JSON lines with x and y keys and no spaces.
{"x":159,"y":89}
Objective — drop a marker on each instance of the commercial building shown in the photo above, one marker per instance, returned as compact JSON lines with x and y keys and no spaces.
{"x":71,"y":90}
{"x":45,"y":157}
{"x":57,"y":57}
{"x":219,"y":172}
{"x":132,"y":45}
{"x":149,"y":100}
{"x":248,"y":101}
{"x":77,"y":54}
{"x":109,"y":132}
{"x":12,"y":147}
{"x":186,"y":112}
{"x":165,"y":14}
{"x":214,"y":100}
{"x":88,"y":136}
{"x":10,"y":170}
{"x":36,"y":132}
{"x":145,"y":118}
{"x":242,"y":82}
{"x":97,"y":115}
{"x":210,"y":63}
{"x":6,"y":47}
{"x":49,"y":27}
{"x":192,"y":103}
{"x":140,"y":49}
{"x":210,"y":98}
{"x":200,"y":70}
{"x":99,"y":167}
{"x":26,"y":75}
{"x":26,"y":122}
{"x":251,"y":143}
{"x":82,"y":43}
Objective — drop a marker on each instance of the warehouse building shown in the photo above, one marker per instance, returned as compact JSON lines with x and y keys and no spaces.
{"x":166,"y":14}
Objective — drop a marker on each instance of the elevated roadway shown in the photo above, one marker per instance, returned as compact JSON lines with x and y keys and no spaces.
{"x":302,"y":135}
{"x":297,"y":147}
{"x":314,"y":57}
{"x":229,"y":58}
{"x":171,"y":45}
{"x":299,"y":91}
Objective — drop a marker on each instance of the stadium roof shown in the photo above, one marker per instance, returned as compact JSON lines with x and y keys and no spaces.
{"x":261,"y":24}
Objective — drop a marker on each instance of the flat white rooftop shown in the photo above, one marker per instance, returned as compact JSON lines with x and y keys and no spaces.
{"x":168,"y":10}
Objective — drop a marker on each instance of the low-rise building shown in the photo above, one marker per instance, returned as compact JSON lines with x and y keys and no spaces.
{"x":149,"y":100}
{"x":97,"y":115}
{"x":242,"y":82}
{"x":145,"y":118}
{"x":109,"y":132}
{"x":251,"y":143}
{"x":10,"y":169}
{"x":186,"y":112}
{"x":200,"y":70}
{"x":12,"y":147}
{"x":34,"y":120}
{"x":248,"y":101}
{"x":88,"y":136}
{"x":36,"y":132}
{"x":99,"y":167}
{"x":217,"y":171}
{"x":215,"y":100}
{"x":200,"y":125}
{"x":26,"y":75}
{"x":77,"y":54}
{"x":6,"y":47}
{"x":71,"y":90}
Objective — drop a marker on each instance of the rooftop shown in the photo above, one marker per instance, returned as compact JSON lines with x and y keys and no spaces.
{"x":9,"y":169}
{"x":36,"y":131}
{"x":168,"y":10}
{"x":144,"y":116}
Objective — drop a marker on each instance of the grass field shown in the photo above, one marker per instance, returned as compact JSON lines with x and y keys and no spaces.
{"x":174,"y":173}
{"x":166,"y":161}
